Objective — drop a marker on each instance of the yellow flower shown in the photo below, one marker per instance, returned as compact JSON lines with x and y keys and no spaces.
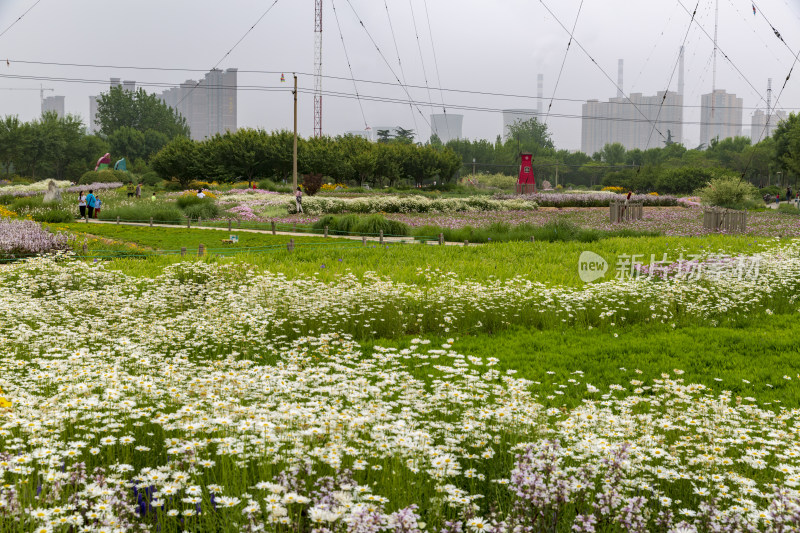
{"x":4,"y":404}
{"x":6,"y":213}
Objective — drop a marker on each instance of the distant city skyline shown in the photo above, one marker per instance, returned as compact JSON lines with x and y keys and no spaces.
{"x":492,"y":69}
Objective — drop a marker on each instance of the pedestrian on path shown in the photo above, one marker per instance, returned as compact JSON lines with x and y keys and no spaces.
{"x":138,"y":190}
{"x":298,"y":198}
{"x":90,"y":200}
{"x":81,"y":204}
{"x":97,"y":204}
{"x":788,"y":194}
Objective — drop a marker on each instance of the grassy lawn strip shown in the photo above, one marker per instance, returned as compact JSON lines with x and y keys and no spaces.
{"x":176,"y":238}
{"x":761,"y":352}
{"x":551,"y":263}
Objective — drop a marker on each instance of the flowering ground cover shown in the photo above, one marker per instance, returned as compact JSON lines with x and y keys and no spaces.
{"x":215,"y":396}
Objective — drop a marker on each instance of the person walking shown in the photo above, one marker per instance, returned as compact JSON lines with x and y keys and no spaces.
{"x":97,"y":204}
{"x":298,"y":198}
{"x":81,"y":204}
{"x":788,"y":194}
{"x":138,"y":190}
{"x":90,"y":201}
{"x":777,"y":198}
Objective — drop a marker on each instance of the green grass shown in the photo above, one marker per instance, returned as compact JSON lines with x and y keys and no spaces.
{"x":762,"y":351}
{"x":551,"y":263}
{"x":177,"y":238}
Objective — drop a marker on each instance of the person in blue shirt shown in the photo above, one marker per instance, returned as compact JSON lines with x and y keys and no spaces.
{"x":90,"y":201}
{"x":97,"y":204}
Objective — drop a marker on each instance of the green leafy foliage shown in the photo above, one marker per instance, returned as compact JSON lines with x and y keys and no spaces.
{"x":361,"y":225}
{"x":142,"y":211}
{"x":140,"y":111}
{"x":728,"y":191}
{"x":58,"y":215}
{"x":105,"y":176}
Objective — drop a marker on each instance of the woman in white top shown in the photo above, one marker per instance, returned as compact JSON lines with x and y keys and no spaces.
{"x":200,"y":193}
{"x":82,"y":204}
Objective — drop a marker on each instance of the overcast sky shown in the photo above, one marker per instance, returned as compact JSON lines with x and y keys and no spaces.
{"x":494,"y":46}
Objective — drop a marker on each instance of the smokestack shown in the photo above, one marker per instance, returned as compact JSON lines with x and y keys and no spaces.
{"x":680,"y":73}
{"x":540,"y":93}
{"x":620,"y":92}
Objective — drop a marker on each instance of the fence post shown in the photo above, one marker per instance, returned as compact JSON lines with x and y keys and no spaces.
{"x":87,"y":219}
{"x":466,"y":242}
{"x":199,"y":220}
{"x":183,"y":251}
{"x":441,"y":239}
{"x":230,"y":224}
{"x":326,"y":232}
{"x":84,"y":245}
{"x":381,"y":235}
{"x":239,"y":223}
{"x":290,"y":246}
{"x":201,"y":250}
{"x":294,"y":228}
{"x":188,"y":223}
{"x":273,"y":227}
{"x":151,"y":222}
{"x":533,"y":239}
{"x":117,"y":220}
{"x":363,"y":240}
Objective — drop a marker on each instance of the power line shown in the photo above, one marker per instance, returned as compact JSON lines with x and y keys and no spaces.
{"x":572,"y":36}
{"x":334,"y":77}
{"x":436,"y":64}
{"x":384,"y":58}
{"x":563,"y":62}
{"x":419,"y":47}
{"x":19,"y":18}
{"x":399,"y":62}
{"x":672,"y":75}
{"x":231,"y":49}
{"x":349,"y":66}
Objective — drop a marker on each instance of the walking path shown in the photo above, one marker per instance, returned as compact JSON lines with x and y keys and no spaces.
{"x":371,"y":238}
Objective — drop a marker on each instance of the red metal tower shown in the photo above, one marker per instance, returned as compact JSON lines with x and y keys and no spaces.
{"x":318,"y":68}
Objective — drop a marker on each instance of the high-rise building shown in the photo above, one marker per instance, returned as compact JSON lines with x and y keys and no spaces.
{"x":720,"y":116}
{"x":760,"y":128}
{"x":513,"y":116}
{"x":53,"y":103}
{"x":635,"y":122}
{"x":447,"y":126}
{"x":209,"y":105}
{"x":93,"y":126}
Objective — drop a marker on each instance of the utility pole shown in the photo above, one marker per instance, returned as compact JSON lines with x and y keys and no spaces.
{"x":294,"y":152}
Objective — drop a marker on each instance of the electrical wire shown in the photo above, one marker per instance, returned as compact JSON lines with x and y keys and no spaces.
{"x":672,"y":75}
{"x":19,"y":18}
{"x":385,"y":60}
{"x":419,"y":47}
{"x":563,"y":62}
{"x":349,"y":66}
{"x":231,"y":49}
{"x":399,"y":62}
{"x":598,"y":65}
{"x":328,"y":76}
{"x":436,"y":64}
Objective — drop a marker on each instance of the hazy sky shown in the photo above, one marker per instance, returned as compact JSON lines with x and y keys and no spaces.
{"x":481,"y":45}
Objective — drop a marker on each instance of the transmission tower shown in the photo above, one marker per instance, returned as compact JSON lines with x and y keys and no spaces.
{"x":318,"y":68}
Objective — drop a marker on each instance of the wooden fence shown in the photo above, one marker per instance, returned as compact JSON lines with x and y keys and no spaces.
{"x":725,"y":220}
{"x":620,"y":211}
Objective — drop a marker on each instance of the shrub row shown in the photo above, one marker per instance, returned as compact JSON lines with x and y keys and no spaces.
{"x":356,"y":225}
{"x":409,"y":204}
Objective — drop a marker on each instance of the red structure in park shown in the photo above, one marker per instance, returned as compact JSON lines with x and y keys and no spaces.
{"x":526,"y":183}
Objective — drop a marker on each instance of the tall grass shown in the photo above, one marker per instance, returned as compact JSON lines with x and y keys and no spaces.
{"x":361,"y":225}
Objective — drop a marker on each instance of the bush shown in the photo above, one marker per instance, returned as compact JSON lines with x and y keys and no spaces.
{"x":27,"y":203}
{"x":106,"y":176}
{"x":312,"y":184}
{"x":356,"y":225}
{"x":269,"y":185}
{"x":54,"y":216}
{"x":152,"y":179}
{"x":728,"y":191}
{"x":204,"y":210}
{"x":789,"y":209}
{"x":142,"y":211}
{"x":187,"y":200}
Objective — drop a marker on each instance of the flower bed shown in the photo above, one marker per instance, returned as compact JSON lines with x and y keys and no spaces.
{"x":594,"y":199}
{"x":408,"y":204}
{"x":25,"y":237}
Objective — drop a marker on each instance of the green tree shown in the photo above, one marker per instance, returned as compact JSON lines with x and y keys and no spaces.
{"x":244,"y":154}
{"x":139,"y":110}
{"x":613,"y":154}
{"x":10,"y":141}
{"x":127,"y":142}
{"x":531,"y":136}
{"x":787,"y":145}
{"x":177,"y":160}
